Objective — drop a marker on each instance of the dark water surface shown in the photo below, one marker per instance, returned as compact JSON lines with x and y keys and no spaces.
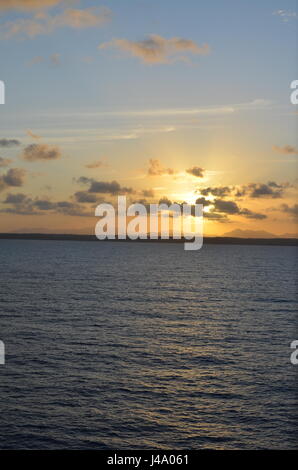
{"x":128,"y":345}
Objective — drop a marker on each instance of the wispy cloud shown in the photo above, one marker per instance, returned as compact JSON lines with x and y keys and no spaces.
{"x":156,"y":49}
{"x":44,"y":23}
{"x":195,"y":111}
{"x":94,"y":165}
{"x":32,"y":135}
{"x":55,"y":59}
{"x":156,"y":169}
{"x":35,"y":60}
{"x":27,"y":5}
{"x":292,"y":211}
{"x":286,"y":15}
{"x":4,"y":162}
{"x":286,"y":149}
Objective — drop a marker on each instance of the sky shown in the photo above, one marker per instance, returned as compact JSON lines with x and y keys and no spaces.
{"x":156,"y":100}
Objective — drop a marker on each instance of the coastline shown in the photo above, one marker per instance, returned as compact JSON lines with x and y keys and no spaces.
{"x":207,"y":240}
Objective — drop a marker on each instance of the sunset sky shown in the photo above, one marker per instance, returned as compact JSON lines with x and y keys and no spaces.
{"x":161,"y":99}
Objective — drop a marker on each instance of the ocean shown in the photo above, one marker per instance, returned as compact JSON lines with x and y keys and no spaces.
{"x":114,"y":345}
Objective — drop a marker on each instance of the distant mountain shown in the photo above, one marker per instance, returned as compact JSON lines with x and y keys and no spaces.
{"x":238,"y":233}
{"x":289,"y":235}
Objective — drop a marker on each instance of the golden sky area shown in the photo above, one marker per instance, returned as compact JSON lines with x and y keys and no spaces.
{"x":155,"y":103}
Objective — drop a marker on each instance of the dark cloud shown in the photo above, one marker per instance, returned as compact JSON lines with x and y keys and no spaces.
{"x":253,"y":190}
{"x":196,"y":171}
{"x":112,"y":187}
{"x":271,"y":190}
{"x":204,"y":201}
{"x":165,"y":200}
{"x":105,"y":187}
{"x":231,"y":208}
{"x":220,"y":191}
{"x":252,"y":215}
{"x":13,"y":177}
{"x":22,"y":204}
{"x":35,"y":152}
{"x":43,"y":204}
{"x":148,"y":192}
{"x":9,"y":142}
{"x":15,"y":198}
{"x":228,"y":207}
{"x":85,"y":197}
{"x":83,"y":180}
{"x":292,"y":211}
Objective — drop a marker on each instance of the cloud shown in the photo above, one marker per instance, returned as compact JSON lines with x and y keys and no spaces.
{"x":4,"y":162}
{"x":228,"y":207}
{"x":79,"y":19}
{"x":220,"y":191}
{"x":34,"y":152}
{"x":286,"y":15}
{"x":216,"y":216}
{"x":55,"y":59}
{"x":15,"y":198}
{"x":156,"y":169}
{"x":293,"y":211}
{"x":85,"y":197}
{"x":165,"y":200}
{"x":252,"y":215}
{"x":105,"y":187}
{"x":196,"y":171}
{"x":9,"y":142}
{"x":22,"y":204}
{"x":31,"y":134}
{"x":35,"y":60}
{"x":270,"y":189}
{"x":43,"y":23}
{"x":148,"y":192}
{"x":231,"y":208}
{"x":13,"y":177}
{"x":27,"y":4}
{"x":158,"y":50}
{"x":203,"y":201}
{"x":253,"y":190}
{"x":286,"y":150}
{"x":94,"y":165}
